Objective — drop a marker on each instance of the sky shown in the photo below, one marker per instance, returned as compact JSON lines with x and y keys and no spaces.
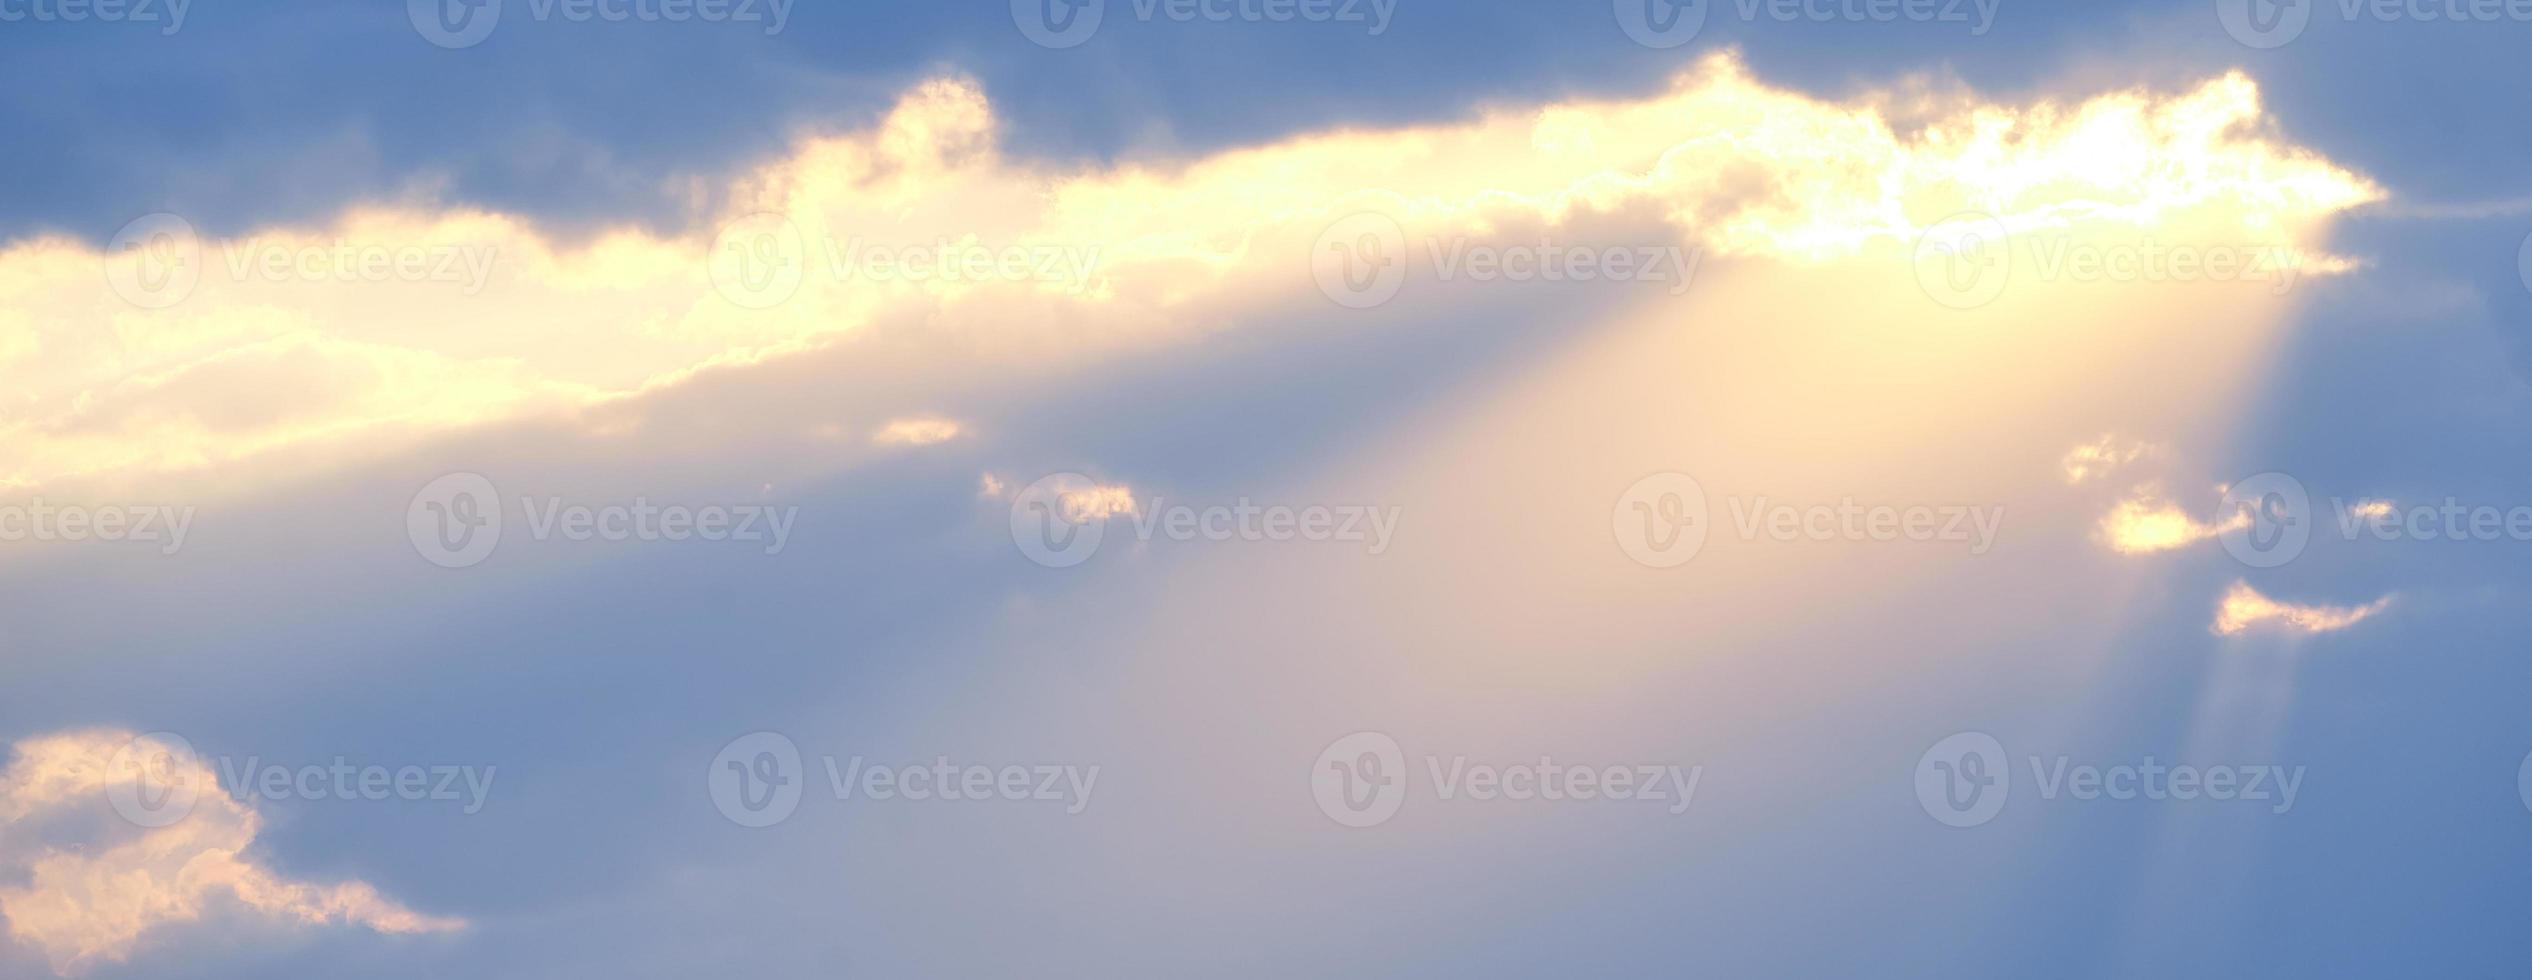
{"x":1385,"y":488}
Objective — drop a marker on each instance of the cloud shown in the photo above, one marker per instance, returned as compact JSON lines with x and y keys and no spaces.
{"x":2370,"y":510}
{"x":2101,"y":457}
{"x":390,"y":324}
{"x":1097,"y":502}
{"x":2147,"y":523}
{"x":919,"y":431}
{"x":98,"y":880}
{"x":2245,"y":608}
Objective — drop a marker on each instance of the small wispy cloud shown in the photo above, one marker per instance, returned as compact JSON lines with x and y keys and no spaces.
{"x":2101,"y":457}
{"x":2245,"y":608}
{"x":1097,"y":503}
{"x":2450,"y":211}
{"x":2370,"y":510}
{"x":917,"y":431}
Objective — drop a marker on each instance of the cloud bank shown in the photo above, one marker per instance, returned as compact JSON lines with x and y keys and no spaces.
{"x":394,"y":323}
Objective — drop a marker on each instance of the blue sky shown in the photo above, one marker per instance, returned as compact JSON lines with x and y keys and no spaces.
{"x":896,"y":431}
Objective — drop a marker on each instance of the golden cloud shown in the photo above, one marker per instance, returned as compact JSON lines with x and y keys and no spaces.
{"x":390,"y":324}
{"x":90,"y":902}
{"x":920,"y":431}
{"x":2101,"y":457}
{"x":2245,"y":608}
{"x":2147,"y":522}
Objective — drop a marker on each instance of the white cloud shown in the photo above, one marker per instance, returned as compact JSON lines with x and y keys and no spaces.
{"x":2147,"y":522}
{"x":96,"y":884}
{"x":2370,"y":510}
{"x":2244,"y":608}
{"x":246,"y":367}
{"x":2101,"y":457}
{"x":917,"y":431}
{"x":1097,"y":502}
